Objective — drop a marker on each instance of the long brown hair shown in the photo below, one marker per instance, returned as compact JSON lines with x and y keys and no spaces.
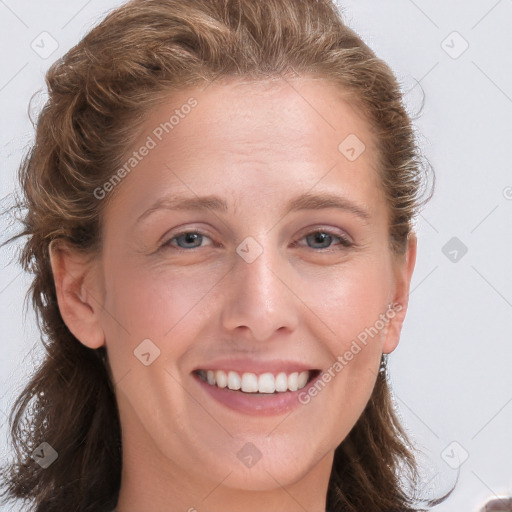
{"x":98,"y":94}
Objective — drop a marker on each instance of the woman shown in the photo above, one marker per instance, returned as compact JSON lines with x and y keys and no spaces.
{"x":220,"y":202}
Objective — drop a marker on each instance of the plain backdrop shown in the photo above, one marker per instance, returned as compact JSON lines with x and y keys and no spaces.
{"x":451,"y":374}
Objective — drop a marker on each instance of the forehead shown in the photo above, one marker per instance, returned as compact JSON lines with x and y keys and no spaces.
{"x":284,"y":115}
{"x":238,"y":135}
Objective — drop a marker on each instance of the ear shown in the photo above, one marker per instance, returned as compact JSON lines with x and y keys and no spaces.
{"x":403,"y":269}
{"x":78,"y":293}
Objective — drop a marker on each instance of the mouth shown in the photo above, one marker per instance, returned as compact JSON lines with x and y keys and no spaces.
{"x":266,"y":383}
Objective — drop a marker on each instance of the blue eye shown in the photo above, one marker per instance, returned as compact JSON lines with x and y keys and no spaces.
{"x":192,"y":240}
{"x":325,"y":238}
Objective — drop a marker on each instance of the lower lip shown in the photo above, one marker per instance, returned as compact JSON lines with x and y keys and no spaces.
{"x":258,"y":404}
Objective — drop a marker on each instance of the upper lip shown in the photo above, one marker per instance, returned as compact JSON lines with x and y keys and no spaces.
{"x":239,"y":365}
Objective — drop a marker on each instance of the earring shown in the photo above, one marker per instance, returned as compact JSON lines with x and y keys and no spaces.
{"x":383,"y":363}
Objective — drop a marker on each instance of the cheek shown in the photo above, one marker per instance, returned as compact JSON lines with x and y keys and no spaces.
{"x":153,"y":300}
{"x":351,"y":300}
{"x":156,"y":303}
{"x":166,"y":307}
{"x":352,"y":307}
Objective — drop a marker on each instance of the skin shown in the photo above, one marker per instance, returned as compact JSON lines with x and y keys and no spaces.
{"x":257,"y":145}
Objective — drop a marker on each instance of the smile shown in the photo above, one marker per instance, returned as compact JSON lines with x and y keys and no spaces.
{"x":265,"y":383}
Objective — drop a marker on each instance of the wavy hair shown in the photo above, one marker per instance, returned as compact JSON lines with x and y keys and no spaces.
{"x":99,"y":92}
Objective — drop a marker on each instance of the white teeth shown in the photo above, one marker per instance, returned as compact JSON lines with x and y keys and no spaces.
{"x":282,"y":382}
{"x":292,"y":381}
{"x":266,"y":383}
{"x":234,"y":380}
{"x":221,"y":379}
{"x":251,"y":383}
{"x":302,"y":379}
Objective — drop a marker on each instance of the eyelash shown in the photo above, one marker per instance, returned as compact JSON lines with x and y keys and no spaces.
{"x":345,"y":243}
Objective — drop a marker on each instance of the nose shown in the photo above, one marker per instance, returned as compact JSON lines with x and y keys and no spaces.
{"x":261,"y":295}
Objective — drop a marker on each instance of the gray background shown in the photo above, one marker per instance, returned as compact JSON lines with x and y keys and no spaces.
{"x":451,"y":373}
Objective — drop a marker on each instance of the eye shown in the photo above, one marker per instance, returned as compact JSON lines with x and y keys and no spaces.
{"x":324,"y":239}
{"x":186,"y":240}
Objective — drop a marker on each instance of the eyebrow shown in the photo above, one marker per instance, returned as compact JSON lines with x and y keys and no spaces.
{"x":306,"y":201}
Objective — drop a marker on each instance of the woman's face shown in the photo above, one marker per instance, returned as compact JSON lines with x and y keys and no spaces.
{"x":210,"y":262}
